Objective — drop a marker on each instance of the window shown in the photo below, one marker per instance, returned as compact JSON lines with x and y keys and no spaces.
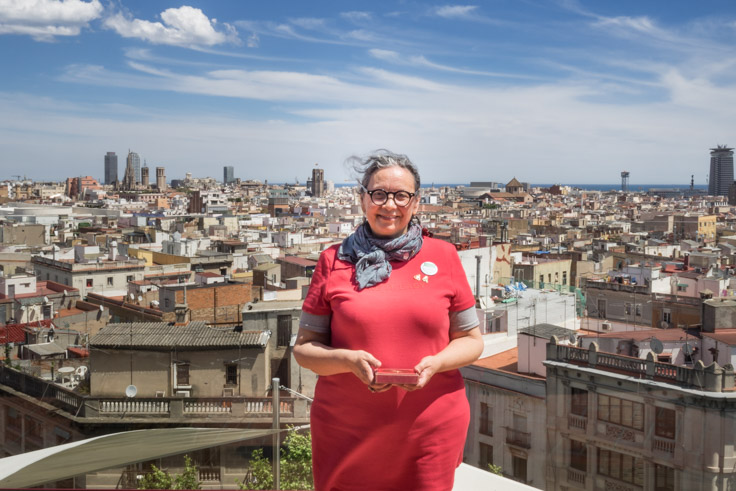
{"x":664,"y":478}
{"x":666,"y":316}
{"x":109,"y":281}
{"x":621,"y":412}
{"x":541,"y":281}
{"x":129,"y":278}
{"x":34,"y":433}
{"x":578,"y":455}
{"x":182,"y":374}
{"x":564,"y":278}
{"x":620,"y":466}
{"x":518,"y":468}
{"x":284,"y":330}
{"x":627,"y":308}
{"x":486,"y":419}
{"x":231,"y":374}
{"x":681,"y":288}
{"x":579,"y":402}
{"x":13,"y":426}
{"x":665,"y":423}
{"x":486,"y":456}
{"x":638,"y":309}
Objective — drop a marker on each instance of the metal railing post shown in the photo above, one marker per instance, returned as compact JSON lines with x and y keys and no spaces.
{"x":276,"y":426}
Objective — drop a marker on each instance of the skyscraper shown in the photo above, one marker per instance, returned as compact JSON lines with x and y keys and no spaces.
{"x":318,"y":182}
{"x":228,"y":174}
{"x":135,"y":162}
{"x":111,"y":168}
{"x":721,"y":170}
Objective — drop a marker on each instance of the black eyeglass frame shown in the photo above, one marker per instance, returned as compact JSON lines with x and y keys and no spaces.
{"x":389,"y":194}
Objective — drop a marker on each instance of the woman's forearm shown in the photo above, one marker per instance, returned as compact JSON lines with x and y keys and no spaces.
{"x":461,"y":351}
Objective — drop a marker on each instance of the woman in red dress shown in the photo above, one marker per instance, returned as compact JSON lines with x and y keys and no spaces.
{"x":388,"y":297}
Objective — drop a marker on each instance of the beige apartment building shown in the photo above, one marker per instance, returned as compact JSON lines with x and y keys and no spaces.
{"x":624,"y":423}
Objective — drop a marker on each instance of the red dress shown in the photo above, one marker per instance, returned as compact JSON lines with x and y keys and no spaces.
{"x":393,"y":440}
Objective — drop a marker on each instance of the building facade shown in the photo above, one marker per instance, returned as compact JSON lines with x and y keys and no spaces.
{"x":721,"y":170}
{"x":318,"y":182}
{"x":111,"y":168}
{"x":228,"y":174}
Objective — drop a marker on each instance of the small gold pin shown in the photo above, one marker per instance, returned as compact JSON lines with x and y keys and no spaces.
{"x":425,"y":279}
{"x":418,"y":277}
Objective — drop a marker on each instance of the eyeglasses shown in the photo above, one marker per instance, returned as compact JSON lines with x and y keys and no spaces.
{"x":380,"y":196}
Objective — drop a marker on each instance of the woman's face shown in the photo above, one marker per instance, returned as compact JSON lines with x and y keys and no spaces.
{"x":389,"y":220}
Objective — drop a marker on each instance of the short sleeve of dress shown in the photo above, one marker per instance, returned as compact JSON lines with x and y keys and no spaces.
{"x":316,"y":310}
{"x":463,"y":298}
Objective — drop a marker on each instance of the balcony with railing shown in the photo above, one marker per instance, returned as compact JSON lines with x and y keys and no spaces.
{"x":711,"y":378}
{"x":576,"y":422}
{"x":518,"y":438}
{"x":576,"y":477}
{"x":292,"y":410}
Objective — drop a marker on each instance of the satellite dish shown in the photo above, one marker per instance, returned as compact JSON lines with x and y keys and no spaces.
{"x":45,"y":299}
{"x":131,"y":391}
{"x":66,"y":293}
{"x":132,"y":297}
{"x":573,"y":338}
{"x":688,"y":349}
{"x":140,"y":299}
{"x":656,"y":345}
{"x":102,"y":308}
{"x":664,"y":324}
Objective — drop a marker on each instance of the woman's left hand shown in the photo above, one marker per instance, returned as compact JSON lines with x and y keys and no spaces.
{"x":426,"y":368}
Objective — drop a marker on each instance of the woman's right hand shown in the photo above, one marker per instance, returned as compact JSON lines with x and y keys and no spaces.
{"x":363,"y":364}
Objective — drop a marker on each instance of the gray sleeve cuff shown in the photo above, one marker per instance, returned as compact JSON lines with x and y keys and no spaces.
{"x":463,"y":320}
{"x":315,"y":323}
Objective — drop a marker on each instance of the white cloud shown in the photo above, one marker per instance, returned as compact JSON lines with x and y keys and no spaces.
{"x":46,"y":19}
{"x":455,"y":11}
{"x":357,"y":16}
{"x":253,"y":41}
{"x":183,"y":26}
{"x":308,"y":23}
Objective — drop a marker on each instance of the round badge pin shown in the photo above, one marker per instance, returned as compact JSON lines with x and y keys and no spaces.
{"x":428,"y":268}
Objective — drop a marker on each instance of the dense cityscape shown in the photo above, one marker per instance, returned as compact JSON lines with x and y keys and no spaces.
{"x":607,"y":320}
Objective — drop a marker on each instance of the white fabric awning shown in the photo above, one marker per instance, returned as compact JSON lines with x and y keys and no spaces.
{"x":115,"y":450}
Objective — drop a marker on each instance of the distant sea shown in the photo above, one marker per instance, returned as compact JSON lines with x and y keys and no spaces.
{"x":586,"y":187}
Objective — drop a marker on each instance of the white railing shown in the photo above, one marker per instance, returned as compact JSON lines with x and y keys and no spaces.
{"x":201,"y":406}
{"x":577,"y":422}
{"x":141,"y":406}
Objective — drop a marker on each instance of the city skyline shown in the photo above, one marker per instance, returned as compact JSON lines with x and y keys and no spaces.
{"x":468,"y":91}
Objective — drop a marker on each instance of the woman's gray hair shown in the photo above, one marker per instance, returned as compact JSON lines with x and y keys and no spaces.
{"x":381,"y":159}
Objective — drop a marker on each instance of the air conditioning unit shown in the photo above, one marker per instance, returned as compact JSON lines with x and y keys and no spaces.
{"x":605,"y":326}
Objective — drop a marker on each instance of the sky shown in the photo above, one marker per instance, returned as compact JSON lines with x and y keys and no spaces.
{"x":557,"y":91}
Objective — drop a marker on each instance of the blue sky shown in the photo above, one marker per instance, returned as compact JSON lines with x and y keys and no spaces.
{"x":568,"y":91}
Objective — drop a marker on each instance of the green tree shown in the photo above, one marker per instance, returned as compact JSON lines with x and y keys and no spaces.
{"x":296,"y":465}
{"x":159,"y":479}
{"x":496,"y":469}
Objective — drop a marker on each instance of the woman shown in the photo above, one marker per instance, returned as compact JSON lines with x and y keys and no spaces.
{"x":388,"y":297}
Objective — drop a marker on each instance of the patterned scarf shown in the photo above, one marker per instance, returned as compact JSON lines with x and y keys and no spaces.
{"x":371,"y":255}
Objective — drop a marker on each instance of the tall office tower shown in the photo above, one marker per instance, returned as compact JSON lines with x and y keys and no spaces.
{"x":318,"y":182}
{"x":228,"y":174}
{"x":161,"y":178}
{"x":721,"y":170}
{"x":625,"y":181}
{"x":144,"y":176}
{"x":134,"y":160}
{"x":111,"y":168}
